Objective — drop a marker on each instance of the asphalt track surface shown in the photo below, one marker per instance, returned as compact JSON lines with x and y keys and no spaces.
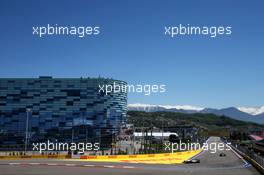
{"x":211,"y":164}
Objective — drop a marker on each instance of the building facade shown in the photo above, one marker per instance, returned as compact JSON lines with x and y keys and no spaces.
{"x":47,"y":103}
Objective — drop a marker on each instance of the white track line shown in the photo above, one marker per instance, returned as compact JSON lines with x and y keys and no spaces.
{"x":70,"y":164}
{"x":239,"y":156}
{"x":128,"y":167}
{"x":109,"y":166}
{"x":34,"y":163}
{"x":14,"y":163}
{"x":89,"y":165}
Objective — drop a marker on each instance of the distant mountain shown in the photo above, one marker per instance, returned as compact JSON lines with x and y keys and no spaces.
{"x":171,"y":119}
{"x":154,"y":108}
{"x":240,"y":113}
{"x":235,"y":114}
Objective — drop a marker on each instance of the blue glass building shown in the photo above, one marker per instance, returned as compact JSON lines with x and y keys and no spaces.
{"x":59,"y":103}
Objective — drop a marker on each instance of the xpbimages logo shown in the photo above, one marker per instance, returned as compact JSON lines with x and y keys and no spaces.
{"x":212,"y":147}
{"x":146,"y":89}
{"x":79,"y":31}
{"x":185,"y":30}
{"x":59,"y":146}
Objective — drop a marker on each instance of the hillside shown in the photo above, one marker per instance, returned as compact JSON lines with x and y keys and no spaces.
{"x":172,"y":119}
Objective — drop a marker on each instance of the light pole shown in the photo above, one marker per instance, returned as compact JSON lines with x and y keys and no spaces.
{"x":162,"y":130}
{"x":26,"y":140}
{"x":72,"y":137}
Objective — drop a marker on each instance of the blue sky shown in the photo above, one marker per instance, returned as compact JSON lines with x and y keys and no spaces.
{"x":201,"y":71}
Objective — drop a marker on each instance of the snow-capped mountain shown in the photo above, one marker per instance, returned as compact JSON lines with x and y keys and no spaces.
{"x":252,"y":111}
{"x":240,"y":113}
{"x":151,"y":108}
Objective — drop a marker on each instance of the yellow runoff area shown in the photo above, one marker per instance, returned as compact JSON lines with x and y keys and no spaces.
{"x":167,"y":158}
